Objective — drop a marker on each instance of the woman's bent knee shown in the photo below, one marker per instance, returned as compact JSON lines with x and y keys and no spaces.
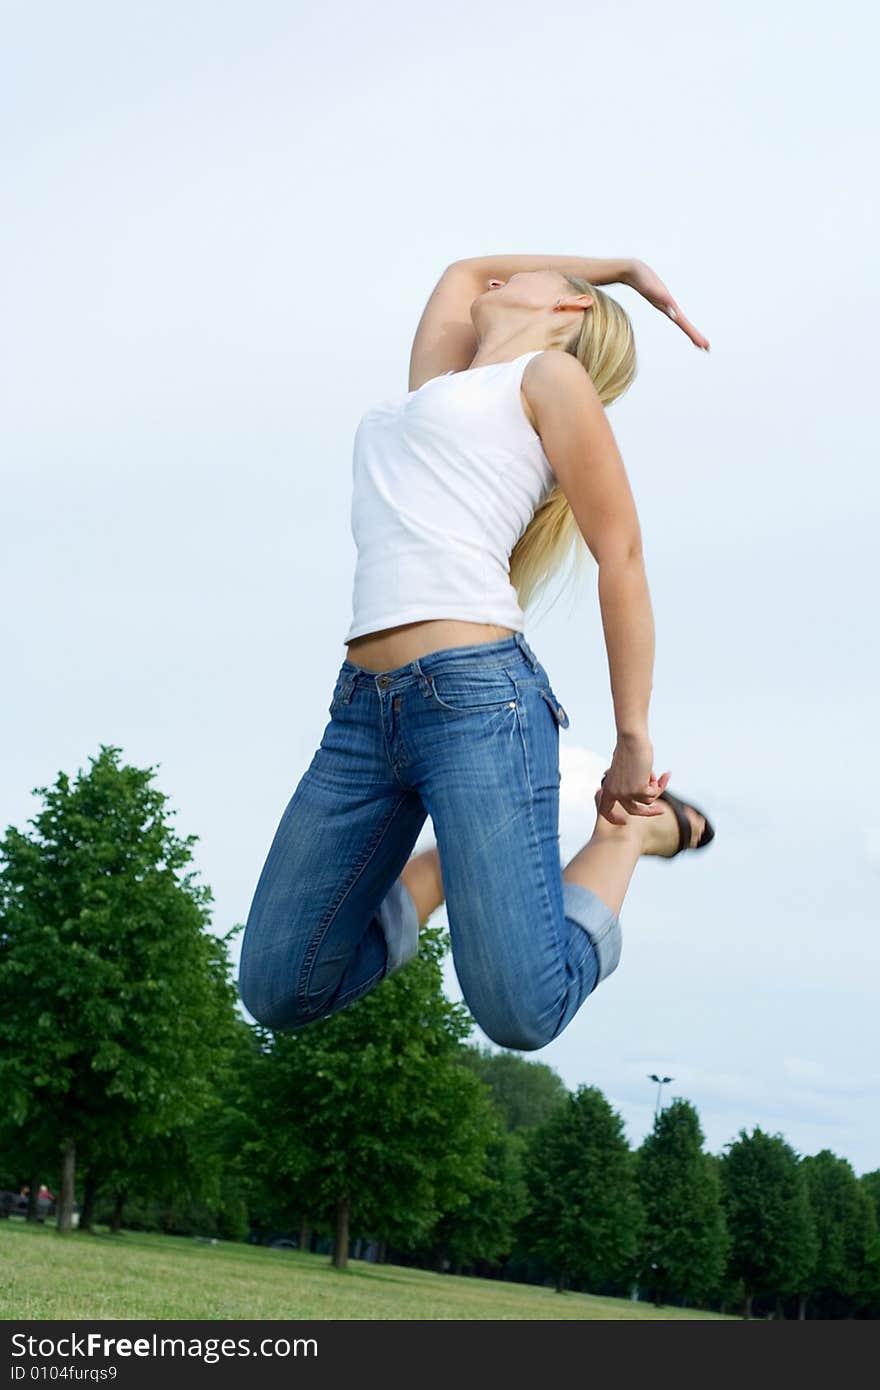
{"x":269,"y":1008}
{"x":522,"y":1034}
{"x":270,"y":993}
{"x":284,"y":1004}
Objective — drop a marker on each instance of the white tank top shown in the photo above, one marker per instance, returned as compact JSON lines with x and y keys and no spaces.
{"x":444,"y":482}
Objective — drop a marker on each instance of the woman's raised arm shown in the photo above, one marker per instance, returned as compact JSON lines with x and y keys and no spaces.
{"x":629,"y":271}
{"x":445,"y":340}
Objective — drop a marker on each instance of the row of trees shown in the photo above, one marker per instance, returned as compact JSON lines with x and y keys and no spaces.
{"x":758,"y":1222}
{"x":130,"y":1078}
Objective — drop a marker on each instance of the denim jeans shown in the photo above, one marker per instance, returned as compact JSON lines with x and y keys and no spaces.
{"x":470,"y":736}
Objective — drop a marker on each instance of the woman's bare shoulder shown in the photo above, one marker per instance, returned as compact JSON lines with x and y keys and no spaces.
{"x":553,"y":377}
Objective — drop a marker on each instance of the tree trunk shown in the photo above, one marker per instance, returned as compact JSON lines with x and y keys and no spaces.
{"x":64,"y":1220}
{"x":747,"y":1305}
{"x":802,"y":1307}
{"x":116,"y":1218}
{"x":33,"y":1197}
{"x":90,"y":1192}
{"x":340,"y":1245}
{"x":561,"y":1281}
{"x":382,"y":1252}
{"x":780,"y":1310}
{"x":305,"y":1235}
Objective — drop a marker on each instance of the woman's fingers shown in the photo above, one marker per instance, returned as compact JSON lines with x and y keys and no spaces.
{"x":639,"y":808}
{"x":648,"y":283}
{"x":604,"y":807}
{"x":686,"y":326}
{"x":641,"y":802}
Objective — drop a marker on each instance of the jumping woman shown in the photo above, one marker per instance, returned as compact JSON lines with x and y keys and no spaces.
{"x":469,"y":492}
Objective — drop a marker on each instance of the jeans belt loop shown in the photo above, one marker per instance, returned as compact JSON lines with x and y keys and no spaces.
{"x":526,"y":650}
{"x":424,"y":680}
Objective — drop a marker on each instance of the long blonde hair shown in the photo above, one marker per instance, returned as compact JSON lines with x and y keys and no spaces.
{"x":605,"y":347}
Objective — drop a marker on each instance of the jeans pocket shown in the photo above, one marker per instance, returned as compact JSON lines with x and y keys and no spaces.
{"x":471,"y":692}
{"x":559,"y":713}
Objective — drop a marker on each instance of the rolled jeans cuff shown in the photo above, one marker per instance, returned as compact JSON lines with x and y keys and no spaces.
{"x":399,"y":922}
{"x":587,"y":910}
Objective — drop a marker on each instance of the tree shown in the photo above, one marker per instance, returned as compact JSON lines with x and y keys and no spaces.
{"x":526,"y":1093}
{"x":768,"y":1216}
{"x":846,"y":1277}
{"x":262,"y":1139}
{"x":684,"y":1239}
{"x":480,"y":1233}
{"x":870,"y":1184}
{"x":367,"y":1119}
{"x":114,"y":999}
{"x":583,"y":1217}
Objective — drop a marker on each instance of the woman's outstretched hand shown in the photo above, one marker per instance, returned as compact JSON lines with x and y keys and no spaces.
{"x":630,"y":780}
{"x":642,"y":278}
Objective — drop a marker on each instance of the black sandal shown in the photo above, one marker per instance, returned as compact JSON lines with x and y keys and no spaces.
{"x":685,"y":828}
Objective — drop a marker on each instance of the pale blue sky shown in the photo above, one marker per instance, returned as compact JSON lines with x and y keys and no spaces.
{"x":221,"y":223}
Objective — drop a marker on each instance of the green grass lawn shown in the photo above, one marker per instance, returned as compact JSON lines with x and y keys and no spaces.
{"x":134,"y":1275}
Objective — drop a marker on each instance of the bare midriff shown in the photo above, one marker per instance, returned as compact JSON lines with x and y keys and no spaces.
{"x":396,"y":646}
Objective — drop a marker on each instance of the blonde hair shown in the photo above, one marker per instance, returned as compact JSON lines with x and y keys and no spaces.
{"x":605,"y":347}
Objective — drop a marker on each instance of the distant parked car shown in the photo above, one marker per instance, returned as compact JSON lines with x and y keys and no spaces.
{"x":282,"y":1243}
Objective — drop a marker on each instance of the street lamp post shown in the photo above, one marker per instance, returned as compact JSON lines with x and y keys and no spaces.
{"x":661,"y":1082}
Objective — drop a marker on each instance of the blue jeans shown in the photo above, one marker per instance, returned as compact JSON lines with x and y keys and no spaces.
{"x":470,"y":736}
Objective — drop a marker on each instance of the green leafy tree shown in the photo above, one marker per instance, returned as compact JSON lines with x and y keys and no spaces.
{"x":772,"y":1241}
{"x":526,"y":1093}
{"x":181,"y":1178}
{"x":262,"y":1141}
{"x":584,"y":1216}
{"x":870,"y":1184}
{"x":477,"y":1235}
{"x":367,"y":1118}
{"x":684,"y":1239}
{"x":846,"y":1276}
{"x":114,"y":999}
